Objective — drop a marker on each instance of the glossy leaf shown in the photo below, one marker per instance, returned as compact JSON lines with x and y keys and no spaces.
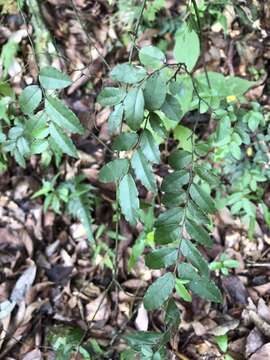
{"x":206,"y":288}
{"x":143,"y":171}
{"x":161,"y":258}
{"x":115,"y":119}
{"x":206,"y":175}
{"x":114,"y":170}
{"x":202,"y":199}
{"x":50,"y":78}
{"x":128,"y":73}
{"x":128,"y":198}
{"x":171,"y":108}
{"x":30,"y":99}
{"x":159,"y":292}
{"x":198,"y":233}
{"x":174,"y":181}
{"x":194,"y":212}
{"x":152,"y":57}
{"x":63,"y":142}
{"x":182,"y":291}
{"x":194,"y":256}
{"x":125,"y":141}
{"x":179,"y":159}
{"x":134,"y":108}
{"x":62,"y":116}
{"x":149,"y":147}
{"x":110,"y":96}
{"x":155,"y":92}
{"x":187,"y":46}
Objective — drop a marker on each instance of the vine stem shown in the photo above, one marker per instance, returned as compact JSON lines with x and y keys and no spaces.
{"x":195,"y":6}
{"x":135,"y":33}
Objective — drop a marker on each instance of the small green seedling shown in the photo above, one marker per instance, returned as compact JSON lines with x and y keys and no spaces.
{"x":224,"y":264}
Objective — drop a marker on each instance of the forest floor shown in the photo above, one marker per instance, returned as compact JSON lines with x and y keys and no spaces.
{"x":45,"y":259}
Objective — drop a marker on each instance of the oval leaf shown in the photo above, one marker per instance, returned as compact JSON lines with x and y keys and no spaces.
{"x":143,"y":171}
{"x":128,"y":73}
{"x":50,"y":78}
{"x":161,"y":258}
{"x":151,"y":57}
{"x":134,"y":108}
{"x":110,"y":96}
{"x":187,"y":46}
{"x":62,"y":116}
{"x":171,"y":108}
{"x":30,"y":98}
{"x":202,"y":199}
{"x":159,"y":292}
{"x":62,"y":141}
{"x":155,"y":92}
{"x":149,"y":147}
{"x":114,"y":170}
{"x":128,"y":198}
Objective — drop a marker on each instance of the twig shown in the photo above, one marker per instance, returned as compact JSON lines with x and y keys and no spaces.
{"x":135,"y":33}
{"x":89,"y":37}
{"x":201,"y":40}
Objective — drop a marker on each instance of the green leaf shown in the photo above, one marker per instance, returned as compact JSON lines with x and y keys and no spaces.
{"x":51,"y":78}
{"x":235,"y":150}
{"x":143,"y":171}
{"x":170,"y":217}
{"x":171,"y":108}
{"x":128,"y":73}
{"x":206,"y":289}
{"x":151,"y":57}
{"x":115,"y":119}
{"x":206,"y":175}
{"x":159,"y":292}
{"x":194,"y":212}
{"x":179,"y":159}
{"x":30,"y":99}
{"x":182,"y":291}
{"x":23,"y":146}
{"x":78,"y":206}
{"x":62,"y":141}
{"x":114,"y":170}
{"x":62,"y":116}
{"x":110,"y":96}
{"x":161,"y":258}
{"x":134,"y":108}
{"x":149,"y":147}
{"x":173,"y":182}
{"x":187,"y":272}
{"x":198,"y":233}
{"x":128,"y":198}
{"x":172,"y":316}
{"x":166,"y":235}
{"x":125,"y":141}
{"x":155,"y":92}
{"x":187,"y":46}
{"x":202,"y":199}
{"x":167,"y":226}
{"x":172,"y":199}
{"x":222,"y":342}
{"x":157,"y":125}
{"x":194,"y":256}
{"x":137,"y":250}
{"x":184,"y":135}
{"x":39,"y":146}
{"x":143,"y":338}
